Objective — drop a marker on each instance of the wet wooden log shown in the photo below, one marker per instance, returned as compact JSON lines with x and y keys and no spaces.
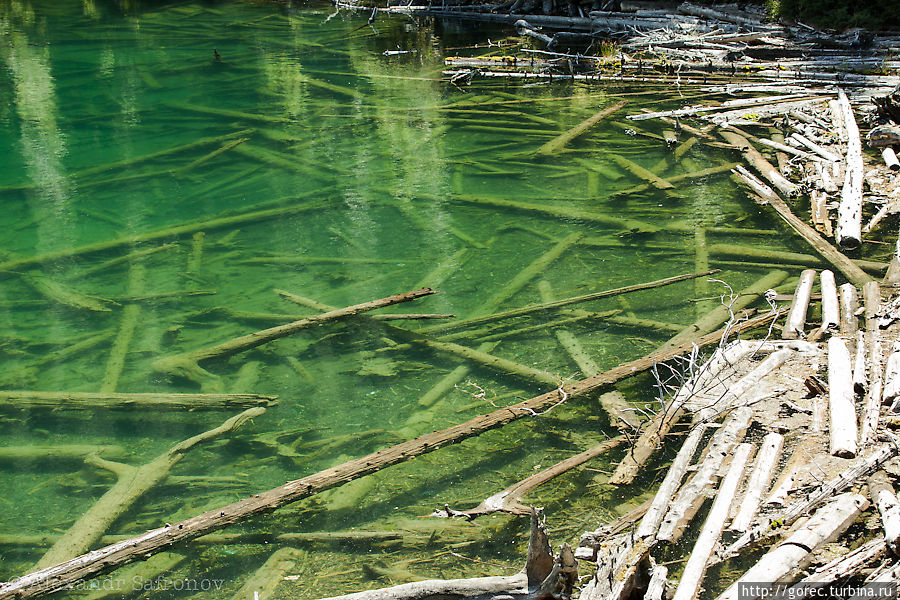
{"x":759,"y":481}
{"x":825,"y":525}
{"x":695,"y":568}
{"x":133,"y":483}
{"x":558,"y":143}
{"x":510,"y":499}
{"x":690,"y":497}
{"x":96,"y":401}
{"x":188,"y":364}
{"x":795,"y":323}
{"x":842,"y":413}
{"x":764,"y":167}
{"x":316,"y":305}
{"x":545,"y":306}
{"x":110,"y":557}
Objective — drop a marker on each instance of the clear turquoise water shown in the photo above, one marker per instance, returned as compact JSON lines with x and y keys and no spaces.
{"x":108,"y":121}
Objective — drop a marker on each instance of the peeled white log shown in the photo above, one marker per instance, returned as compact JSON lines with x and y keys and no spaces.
{"x":849,"y":226}
{"x":759,"y":481}
{"x":831,"y":318}
{"x":796,"y":317}
{"x":890,"y":158}
{"x":654,"y":515}
{"x":712,"y":375}
{"x":842,"y":414}
{"x":840,"y":568}
{"x":656,"y":588}
{"x":689,"y":499}
{"x":827,"y":155}
{"x":892,"y":277}
{"x":779,"y":495}
{"x":859,"y":364}
{"x":849,"y":300}
{"x":693,"y":572}
{"x":837,"y":120}
{"x":892,"y":375}
{"x":789,"y":149}
{"x":872,"y":410}
{"x":825,"y":525}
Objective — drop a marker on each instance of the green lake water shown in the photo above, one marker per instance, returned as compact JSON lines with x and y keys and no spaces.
{"x":127,"y":123}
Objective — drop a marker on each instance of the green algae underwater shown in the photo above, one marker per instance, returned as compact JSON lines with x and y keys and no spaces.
{"x":167,"y":166}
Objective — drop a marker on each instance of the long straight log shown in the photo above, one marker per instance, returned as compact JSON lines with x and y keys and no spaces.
{"x":842,"y":413}
{"x":94,"y":401}
{"x":849,"y":224}
{"x":695,"y":567}
{"x":849,"y":301}
{"x":110,"y":557}
{"x":759,"y":163}
{"x":795,"y":322}
{"x":811,"y":236}
{"x":544,"y":306}
{"x":831,"y":318}
{"x":759,"y":481}
{"x":642,"y":172}
{"x":187,"y":364}
{"x":560,"y":142}
{"x":567,"y":339}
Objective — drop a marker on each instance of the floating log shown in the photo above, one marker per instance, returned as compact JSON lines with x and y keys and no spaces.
{"x":694,"y":569}
{"x":656,"y":587}
{"x":649,"y":525}
{"x":533,"y":308}
{"x":831,"y":319}
{"x":795,"y":322}
{"x":803,"y":141}
{"x":789,"y":149}
{"x":509,"y":500}
{"x":849,"y":223}
{"x":560,"y":142}
{"x":825,"y":525}
{"x":759,"y":481}
{"x":133,"y":483}
{"x":94,"y":401}
{"x":759,"y":163}
{"x":842,"y":413}
{"x":692,"y":176}
{"x":687,"y":502}
{"x":110,"y":557}
{"x":187,"y":364}
{"x":730,"y":105}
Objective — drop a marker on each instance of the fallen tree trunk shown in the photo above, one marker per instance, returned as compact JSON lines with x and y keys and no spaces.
{"x":124,"y":401}
{"x":187,"y":364}
{"x":110,"y":557}
{"x":849,"y":224}
{"x":795,"y":322}
{"x":559,"y":142}
{"x":842,"y":413}
{"x":759,"y":481}
{"x":759,"y":163}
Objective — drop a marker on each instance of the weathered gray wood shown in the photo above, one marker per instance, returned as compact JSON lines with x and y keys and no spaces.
{"x":842,"y":413}
{"x":759,"y":481}
{"x":849,"y":224}
{"x":795,"y":322}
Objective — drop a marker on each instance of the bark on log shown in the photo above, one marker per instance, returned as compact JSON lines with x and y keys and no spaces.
{"x":689,"y":585}
{"x":558,"y":143}
{"x":842,"y":413}
{"x":110,"y":557}
{"x":759,"y":481}
{"x":825,"y":525}
{"x":123,"y":401}
{"x":187,"y":364}
{"x":849,"y":225}
{"x":795,"y":322}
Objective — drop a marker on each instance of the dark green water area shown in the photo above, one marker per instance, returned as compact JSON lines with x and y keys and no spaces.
{"x":167,"y":165}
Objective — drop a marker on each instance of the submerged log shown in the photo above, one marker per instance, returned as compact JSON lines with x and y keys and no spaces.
{"x":759,"y":163}
{"x":560,"y":142}
{"x":25,"y":399}
{"x":187,"y":364}
{"x":110,"y":557}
